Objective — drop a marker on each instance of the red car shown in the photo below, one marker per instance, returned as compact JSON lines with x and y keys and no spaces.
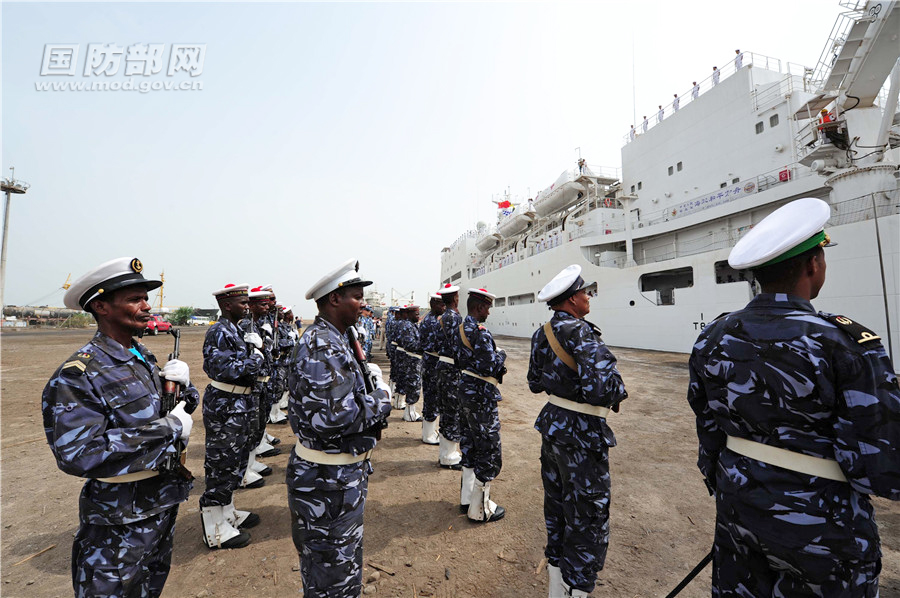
{"x":158,"y":324}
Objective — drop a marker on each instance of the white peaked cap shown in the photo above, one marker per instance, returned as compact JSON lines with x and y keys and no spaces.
{"x":448,"y":289}
{"x":105,"y":278}
{"x":345,"y":275}
{"x":568,"y":281}
{"x":790,"y":227}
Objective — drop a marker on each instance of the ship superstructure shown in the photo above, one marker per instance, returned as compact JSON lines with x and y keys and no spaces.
{"x":656,"y":236}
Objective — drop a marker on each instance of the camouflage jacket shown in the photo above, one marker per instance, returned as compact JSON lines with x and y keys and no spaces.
{"x":430,"y":339}
{"x":597,"y":382}
{"x":101,"y":418}
{"x":778,"y":373}
{"x":228,"y":359}
{"x":449,"y":333}
{"x":483,"y":358}
{"x":329,"y":409}
{"x":408,"y":336}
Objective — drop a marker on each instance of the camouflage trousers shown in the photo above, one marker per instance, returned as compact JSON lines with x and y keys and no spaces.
{"x":327,"y":504}
{"x":745,"y":565}
{"x":448,"y":401}
{"x":430,"y":399}
{"x":259,"y":417}
{"x":576,"y":510}
{"x":124,"y":561}
{"x":227,"y":451}
{"x":410,"y":379}
{"x":480,"y":436}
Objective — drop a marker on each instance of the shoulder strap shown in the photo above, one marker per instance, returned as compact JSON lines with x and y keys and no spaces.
{"x":462,"y":335}
{"x":557,"y":348}
{"x":855,"y":330}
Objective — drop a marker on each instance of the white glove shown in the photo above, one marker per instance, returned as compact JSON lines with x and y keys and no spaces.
{"x":253,"y":339}
{"x":379,"y":383}
{"x":294,"y":334}
{"x":185,"y":418}
{"x":258,"y":352}
{"x":176,"y":371}
{"x":267,"y":327}
{"x":376,"y":370}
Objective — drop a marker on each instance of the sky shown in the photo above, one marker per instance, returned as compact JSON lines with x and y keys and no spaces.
{"x":321,"y":132}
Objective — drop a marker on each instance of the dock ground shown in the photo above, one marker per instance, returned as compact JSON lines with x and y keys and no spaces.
{"x":416,"y":542}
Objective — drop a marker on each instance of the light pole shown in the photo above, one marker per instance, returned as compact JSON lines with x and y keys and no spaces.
{"x":9,"y":186}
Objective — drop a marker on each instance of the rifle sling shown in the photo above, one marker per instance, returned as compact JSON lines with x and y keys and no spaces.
{"x":557,"y":348}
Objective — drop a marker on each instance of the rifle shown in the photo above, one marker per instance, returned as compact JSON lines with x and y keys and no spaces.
{"x":170,"y":397}
{"x":368,"y":377}
{"x":171,"y":390}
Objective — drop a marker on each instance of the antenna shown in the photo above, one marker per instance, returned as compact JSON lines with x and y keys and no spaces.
{"x":66,"y":284}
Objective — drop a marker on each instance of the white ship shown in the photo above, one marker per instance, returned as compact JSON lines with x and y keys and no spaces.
{"x":656,"y":237}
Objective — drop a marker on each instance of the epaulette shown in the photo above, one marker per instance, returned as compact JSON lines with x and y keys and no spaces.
{"x":78,"y":362}
{"x":855,"y":330}
{"x":594,"y":328}
{"x":480,"y":327}
{"x":720,"y":316}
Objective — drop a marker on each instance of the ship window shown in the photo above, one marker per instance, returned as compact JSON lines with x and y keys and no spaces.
{"x":500,"y":302}
{"x":671,"y":170}
{"x":632,"y":188}
{"x":521,"y":299}
{"x":736,"y":179}
{"x":759,"y":127}
{"x":726,"y":274}
{"x":722,"y":185}
{"x":456,"y":276}
{"x":678,"y":166}
{"x":640,"y":184}
{"x":665,"y":282}
{"x":773,"y":120}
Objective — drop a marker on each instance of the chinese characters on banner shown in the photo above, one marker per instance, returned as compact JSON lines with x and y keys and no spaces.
{"x":716,"y":198}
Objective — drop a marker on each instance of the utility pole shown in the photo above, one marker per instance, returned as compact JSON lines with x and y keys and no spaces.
{"x":9,"y":186}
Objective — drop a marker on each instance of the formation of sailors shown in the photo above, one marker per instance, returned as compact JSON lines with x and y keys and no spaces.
{"x":798,"y":420}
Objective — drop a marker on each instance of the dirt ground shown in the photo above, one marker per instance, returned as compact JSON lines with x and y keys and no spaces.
{"x":661,"y":516}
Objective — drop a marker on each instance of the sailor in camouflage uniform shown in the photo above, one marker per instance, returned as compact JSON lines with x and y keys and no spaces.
{"x":430,"y":335}
{"x":336,"y":422}
{"x":368,"y":324}
{"x":232,"y":362}
{"x":410,"y":358}
{"x":571,"y":363}
{"x":450,"y":426}
{"x":257,"y":323}
{"x":396,"y":373}
{"x":798,"y":417}
{"x":481,"y":371}
{"x":287,"y":338}
{"x":101,"y":412}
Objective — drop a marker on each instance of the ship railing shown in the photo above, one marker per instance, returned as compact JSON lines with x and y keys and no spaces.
{"x":747,"y":58}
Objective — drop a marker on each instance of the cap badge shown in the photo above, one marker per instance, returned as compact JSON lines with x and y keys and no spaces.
{"x":136,"y":265}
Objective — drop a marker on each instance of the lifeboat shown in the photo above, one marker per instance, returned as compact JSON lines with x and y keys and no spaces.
{"x":487,"y":240}
{"x":560,"y":195}
{"x":516,"y":223}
